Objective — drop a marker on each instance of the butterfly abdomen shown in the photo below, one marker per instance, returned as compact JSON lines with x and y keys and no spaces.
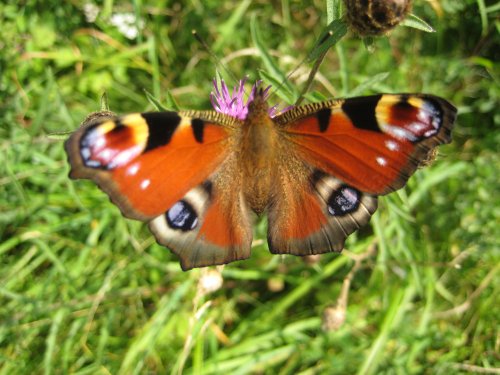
{"x":258,"y":145}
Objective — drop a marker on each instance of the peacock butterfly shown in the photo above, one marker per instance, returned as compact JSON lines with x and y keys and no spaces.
{"x":316,"y":170}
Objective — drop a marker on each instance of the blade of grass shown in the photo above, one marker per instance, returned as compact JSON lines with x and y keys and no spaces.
{"x":155,"y":66}
{"x":438,"y":174}
{"x":417,"y":23}
{"x":400,"y":300}
{"x":368,"y":84}
{"x":144,"y":341}
{"x":50,"y":350}
{"x":227,"y":29}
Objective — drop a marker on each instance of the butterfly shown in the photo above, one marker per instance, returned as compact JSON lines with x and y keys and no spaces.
{"x":199,"y":178}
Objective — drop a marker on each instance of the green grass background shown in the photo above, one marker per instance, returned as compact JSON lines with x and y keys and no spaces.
{"x":84,"y":291}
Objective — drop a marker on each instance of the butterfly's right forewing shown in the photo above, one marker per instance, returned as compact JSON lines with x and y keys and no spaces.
{"x":373,"y":143}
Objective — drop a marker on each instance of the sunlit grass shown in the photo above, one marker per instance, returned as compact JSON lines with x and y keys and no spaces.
{"x":83,"y":290}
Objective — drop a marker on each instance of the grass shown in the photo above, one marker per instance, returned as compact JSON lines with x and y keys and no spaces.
{"x":84,"y":291}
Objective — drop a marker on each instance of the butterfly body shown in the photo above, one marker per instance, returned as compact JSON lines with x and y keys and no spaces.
{"x":198,"y":178}
{"x":258,"y":150}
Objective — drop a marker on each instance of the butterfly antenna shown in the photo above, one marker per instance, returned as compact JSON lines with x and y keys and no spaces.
{"x":313,"y":71}
{"x":288,"y":76}
{"x":310,"y":78}
{"x":284,"y":83}
{"x":315,"y":67}
{"x":214,"y":57}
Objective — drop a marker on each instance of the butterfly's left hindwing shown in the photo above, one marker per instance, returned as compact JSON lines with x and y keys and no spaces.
{"x":208,"y":226}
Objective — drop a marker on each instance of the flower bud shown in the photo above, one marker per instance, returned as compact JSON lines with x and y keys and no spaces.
{"x":375,"y":17}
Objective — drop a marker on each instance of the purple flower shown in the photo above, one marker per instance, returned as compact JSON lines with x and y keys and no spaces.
{"x":234,"y":105}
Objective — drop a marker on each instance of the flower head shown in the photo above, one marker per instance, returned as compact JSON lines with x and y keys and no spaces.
{"x":210,"y":281}
{"x":127,"y":24}
{"x":234,"y":104}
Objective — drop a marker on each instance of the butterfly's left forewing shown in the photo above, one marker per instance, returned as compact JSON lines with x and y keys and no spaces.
{"x":146,"y":162}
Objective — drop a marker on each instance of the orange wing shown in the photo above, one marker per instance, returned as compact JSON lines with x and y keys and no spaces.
{"x":147,"y":162}
{"x":346,"y":153}
{"x":372,"y":143}
{"x":313,"y":212}
{"x":169,"y":168}
{"x":208,"y":226}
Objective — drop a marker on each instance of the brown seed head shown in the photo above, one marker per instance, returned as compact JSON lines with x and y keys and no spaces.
{"x":375,"y":17}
